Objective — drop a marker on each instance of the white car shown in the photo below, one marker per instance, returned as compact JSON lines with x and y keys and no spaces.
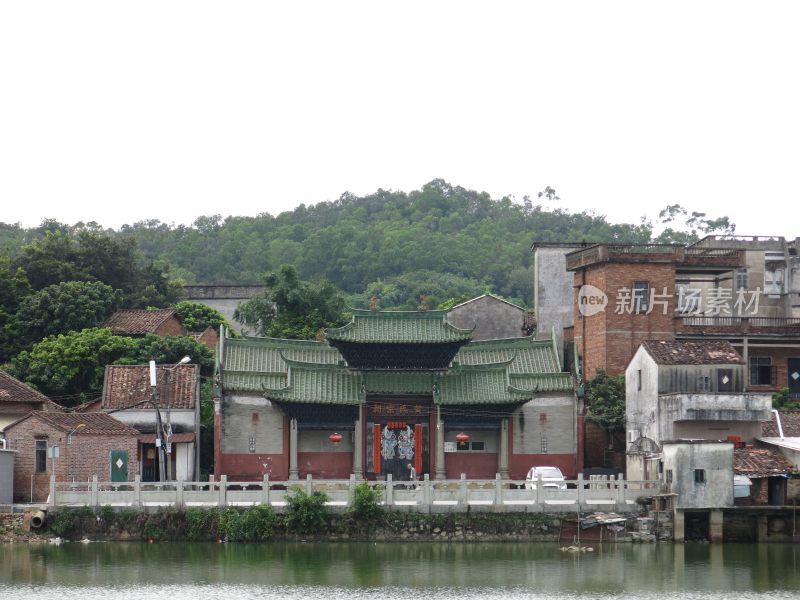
{"x":552,"y":478}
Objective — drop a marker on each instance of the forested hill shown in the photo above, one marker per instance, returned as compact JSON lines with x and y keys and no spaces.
{"x":443,"y":240}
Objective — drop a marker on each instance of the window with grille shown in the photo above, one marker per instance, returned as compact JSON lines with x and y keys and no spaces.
{"x":741,"y":278}
{"x":41,"y":456}
{"x":699,"y":475}
{"x":641,"y":296}
{"x":760,"y":370}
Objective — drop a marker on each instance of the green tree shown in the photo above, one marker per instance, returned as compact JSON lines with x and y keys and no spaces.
{"x":292,"y":308}
{"x":14,"y":288}
{"x":196,"y":316}
{"x":63,"y":307}
{"x":83,"y":253}
{"x":70,"y":367}
{"x":169,"y":350}
{"x":605,"y":397}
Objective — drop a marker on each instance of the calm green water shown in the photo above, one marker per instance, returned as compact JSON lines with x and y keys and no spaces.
{"x":410,"y":571}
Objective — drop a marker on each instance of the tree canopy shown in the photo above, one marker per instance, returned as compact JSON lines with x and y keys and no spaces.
{"x":605,"y":397}
{"x":70,"y":367}
{"x":292,"y":308}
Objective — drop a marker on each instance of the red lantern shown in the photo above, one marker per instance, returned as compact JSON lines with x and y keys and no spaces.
{"x":462,"y":438}
{"x":335,"y":438}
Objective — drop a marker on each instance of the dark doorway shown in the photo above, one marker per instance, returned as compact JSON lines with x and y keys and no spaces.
{"x":776,"y":491}
{"x":696,"y":526}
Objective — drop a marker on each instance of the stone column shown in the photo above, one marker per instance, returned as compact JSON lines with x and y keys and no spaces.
{"x":358,"y":445}
{"x":678,"y":525}
{"x":715,"y":525}
{"x":502,"y":455}
{"x":439,"y":473}
{"x":294,"y":473}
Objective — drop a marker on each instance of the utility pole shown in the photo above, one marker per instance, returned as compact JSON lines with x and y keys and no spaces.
{"x":159,"y":431}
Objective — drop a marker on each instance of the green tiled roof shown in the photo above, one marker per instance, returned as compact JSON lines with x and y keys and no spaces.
{"x":542,"y":382}
{"x":266,"y":355}
{"x":395,"y":327}
{"x":475,"y":385}
{"x":319,"y":384}
{"x":381,"y":382}
{"x":529,"y":355}
{"x":247,"y":381}
{"x":484,"y":372}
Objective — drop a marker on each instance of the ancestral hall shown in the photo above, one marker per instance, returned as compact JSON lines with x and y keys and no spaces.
{"x":388,"y":391}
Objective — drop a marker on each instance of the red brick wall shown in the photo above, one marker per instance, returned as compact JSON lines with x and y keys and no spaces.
{"x":253,"y":467}
{"x":171,"y":326}
{"x":608,"y":340}
{"x":475,"y":465}
{"x":86,"y":456}
{"x":325,"y":465}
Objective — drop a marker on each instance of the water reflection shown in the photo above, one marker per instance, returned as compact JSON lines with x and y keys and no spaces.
{"x":423,"y":570}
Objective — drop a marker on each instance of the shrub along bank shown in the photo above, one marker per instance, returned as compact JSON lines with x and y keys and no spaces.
{"x":306,"y":518}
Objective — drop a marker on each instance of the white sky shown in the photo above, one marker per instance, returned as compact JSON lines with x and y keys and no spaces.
{"x":122,"y":111}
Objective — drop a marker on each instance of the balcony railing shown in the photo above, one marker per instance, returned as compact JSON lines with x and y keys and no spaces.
{"x":722,"y":324}
{"x":669,"y":253}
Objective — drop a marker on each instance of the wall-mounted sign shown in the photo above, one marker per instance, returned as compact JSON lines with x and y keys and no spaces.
{"x":450,"y":447}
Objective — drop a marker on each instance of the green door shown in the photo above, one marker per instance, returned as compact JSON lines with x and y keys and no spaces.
{"x":119,"y":465}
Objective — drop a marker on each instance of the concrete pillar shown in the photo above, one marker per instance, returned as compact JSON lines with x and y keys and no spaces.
{"x":762,"y":532}
{"x":440,"y":470}
{"x":715,"y":519}
{"x":217,"y":440}
{"x":294,"y":473}
{"x":678,"y":526}
{"x":502,"y":456}
{"x":358,"y":445}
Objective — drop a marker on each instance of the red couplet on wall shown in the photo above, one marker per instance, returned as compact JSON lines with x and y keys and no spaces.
{"x":418,"y":448}
{"x":376,"y":448}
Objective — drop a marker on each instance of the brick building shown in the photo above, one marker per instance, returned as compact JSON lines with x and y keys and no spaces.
{"x":127,"y":395}
{"x":742,"y":289}
{"x":135,"y":322}
{"x":87,"y":444}
{"x":18,"y":399}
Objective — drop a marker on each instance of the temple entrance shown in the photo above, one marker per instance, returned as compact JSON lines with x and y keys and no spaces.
{"x":393,"y":446}
{"x":397,"y":437}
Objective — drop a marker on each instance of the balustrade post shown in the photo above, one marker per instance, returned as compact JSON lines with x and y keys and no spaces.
{"x":137,"y":490}
{"x":539,"y":498}
{"x":581,"y":490}
{"x":389,"y":490}
{"x":621,"y":490}
{"x":426,"y":490}
{"x":309,"y":485}
{"x":223,"y":490}
{"x":351,"y":496}
{"x":498,"y":490}
{"x":95,"y":497}
{"x":179,"y":493}
{"x":462,"y":490}
{"x":265,"y":489}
